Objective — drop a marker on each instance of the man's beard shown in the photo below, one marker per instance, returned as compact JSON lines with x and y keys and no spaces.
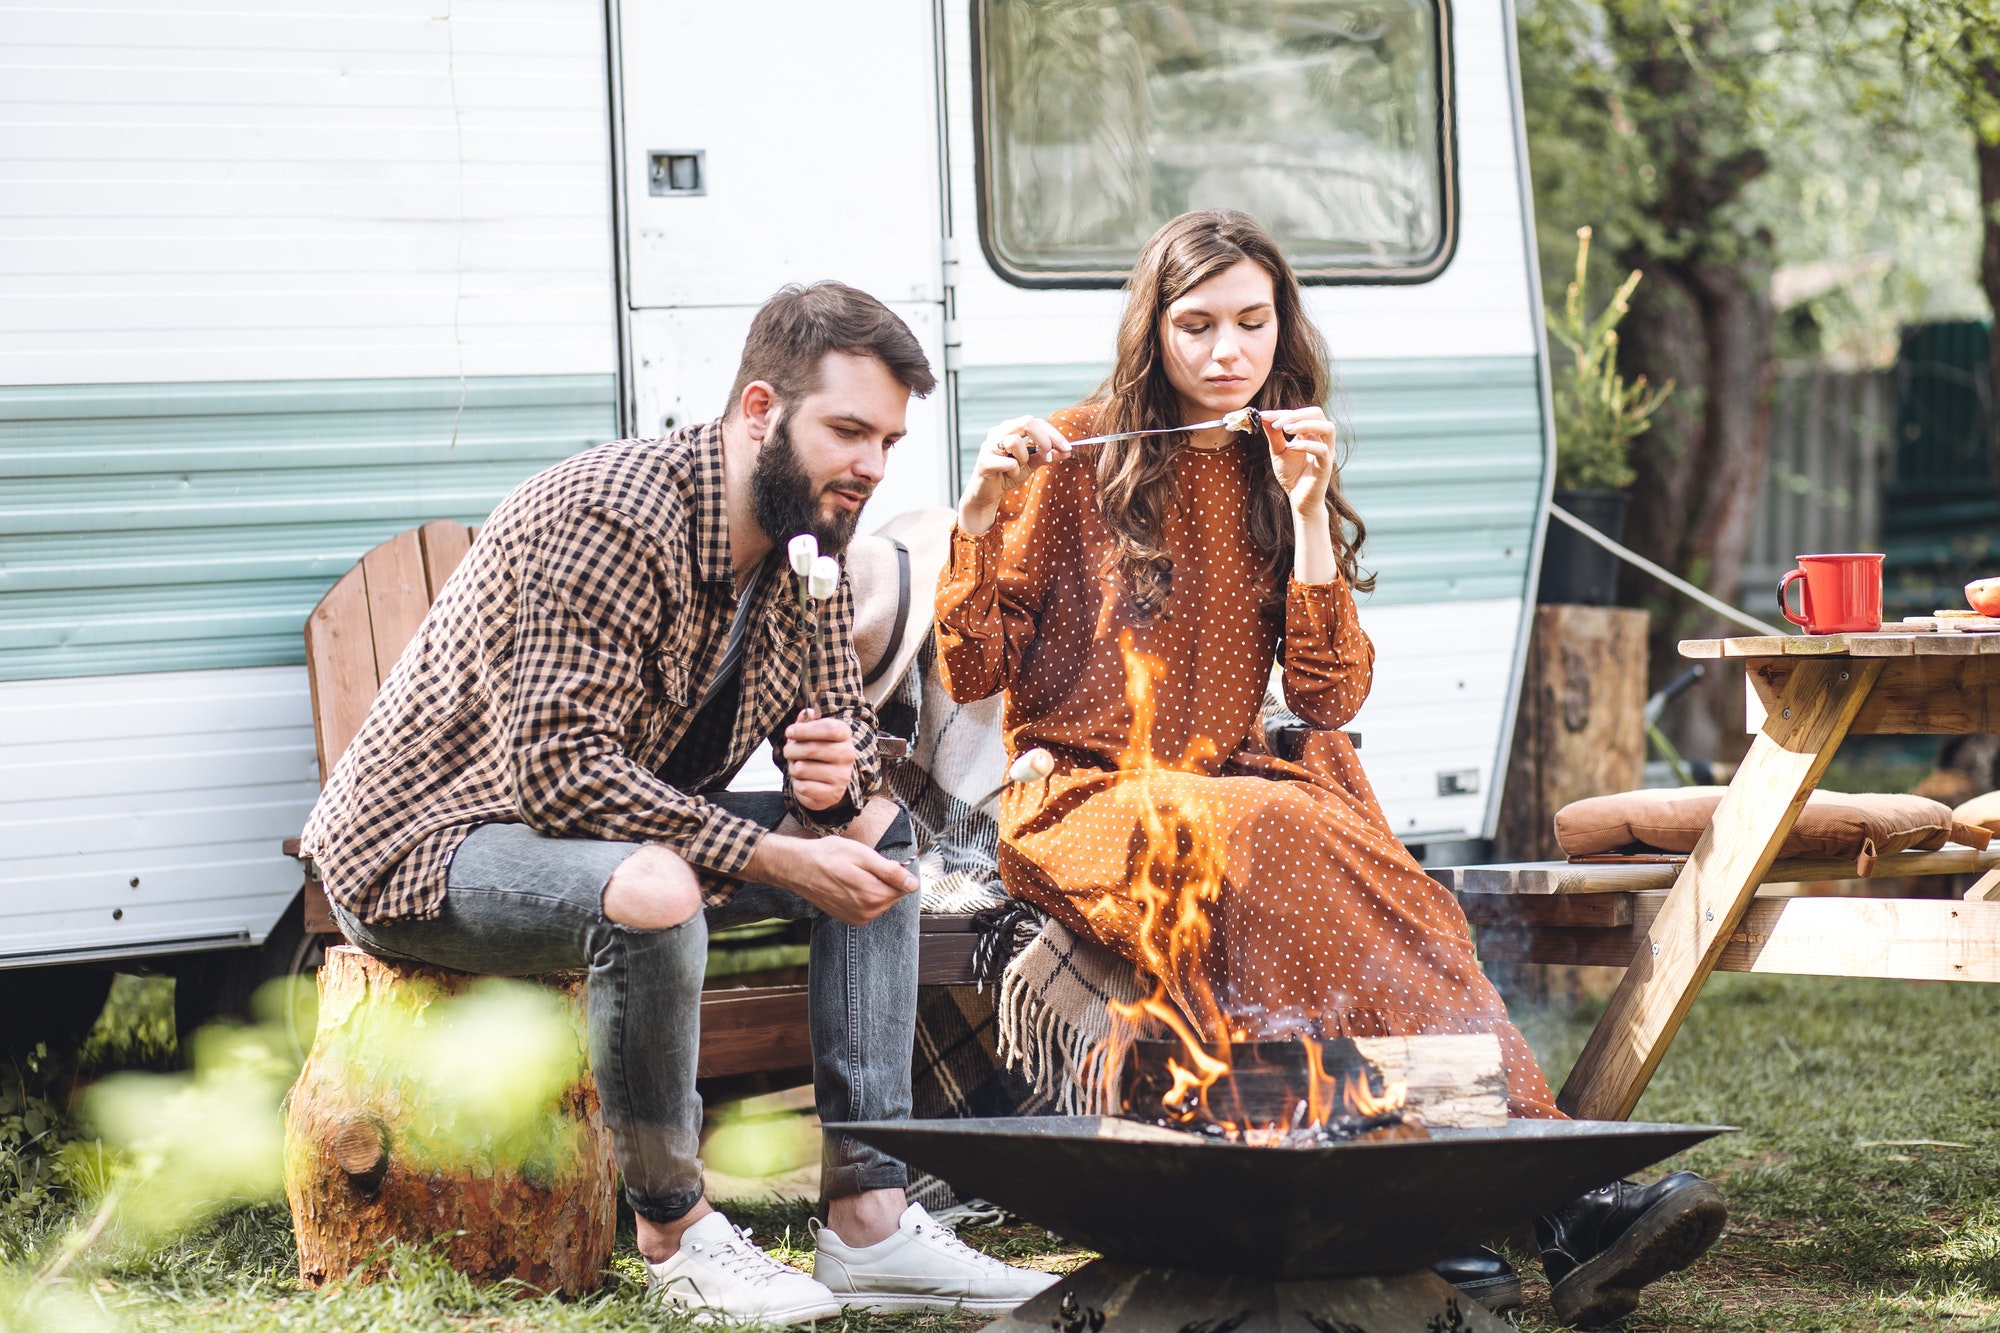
{"x":786,"y":501}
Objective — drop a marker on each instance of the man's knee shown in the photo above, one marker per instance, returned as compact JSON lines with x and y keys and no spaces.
{"x":875,"y":822}
{"x":652,"y":889}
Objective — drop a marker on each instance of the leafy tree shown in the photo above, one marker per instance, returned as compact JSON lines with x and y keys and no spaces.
{"x":1650,"y":120}
{"x":1951,"y":47}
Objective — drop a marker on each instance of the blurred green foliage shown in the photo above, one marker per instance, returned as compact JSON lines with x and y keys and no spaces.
{"x":749,"y":1146}
{"x":472,"y":1079}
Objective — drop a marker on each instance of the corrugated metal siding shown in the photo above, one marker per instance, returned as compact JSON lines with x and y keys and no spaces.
{"x":1445,"y":463}
{"x":161,"y":798}
{"x":267,"y":189}
{"x":173,"y":527}
{"x":1436,"y":710}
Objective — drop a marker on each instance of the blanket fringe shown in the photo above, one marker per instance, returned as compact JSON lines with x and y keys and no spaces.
{"x":1051,"y":1020}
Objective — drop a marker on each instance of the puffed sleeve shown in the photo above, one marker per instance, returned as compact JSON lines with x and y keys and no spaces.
{"x":989,"y":598}
{"x":990,"y":594}
{"x":1329,"y":661}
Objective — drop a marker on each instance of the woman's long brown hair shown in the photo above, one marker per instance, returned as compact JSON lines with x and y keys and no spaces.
{"x":1135,"y":478}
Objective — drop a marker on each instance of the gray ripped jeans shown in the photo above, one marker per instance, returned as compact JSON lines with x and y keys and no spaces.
{"x":518,"y":903}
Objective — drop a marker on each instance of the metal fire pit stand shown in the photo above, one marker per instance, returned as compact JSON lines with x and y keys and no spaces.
{"x":1113,"y":1297}
{"x":1207,"y":1237}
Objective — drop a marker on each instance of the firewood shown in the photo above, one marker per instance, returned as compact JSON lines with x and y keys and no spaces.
{"x":1455,"y":1082}
{"x":351,"y":1189}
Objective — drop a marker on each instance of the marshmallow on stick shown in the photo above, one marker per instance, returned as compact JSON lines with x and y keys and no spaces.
{"x":1033,"y":766}
{"x":1036,"y":765}
{"x":803,"y":550}
{"x":819,"y":581}
{"x":825,"y":577}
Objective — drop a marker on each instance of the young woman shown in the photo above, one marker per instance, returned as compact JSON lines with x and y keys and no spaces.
{"x":1131,"y":601}
{"x":1211,"y":553}
{"x":1194,"y":560}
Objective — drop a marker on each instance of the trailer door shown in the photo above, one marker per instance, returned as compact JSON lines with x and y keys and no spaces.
{"x":774,"y":143}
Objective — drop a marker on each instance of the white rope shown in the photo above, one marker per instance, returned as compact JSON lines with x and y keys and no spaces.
{"x":1715,"y":604}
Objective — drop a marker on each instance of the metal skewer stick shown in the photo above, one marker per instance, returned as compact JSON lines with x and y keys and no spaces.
{"x":1139,"y":434}
{"x":1248,"y":420}
{"x":1036,"y":765}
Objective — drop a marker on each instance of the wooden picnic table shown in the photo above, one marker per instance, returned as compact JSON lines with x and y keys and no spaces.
{"x":1806,"y":693}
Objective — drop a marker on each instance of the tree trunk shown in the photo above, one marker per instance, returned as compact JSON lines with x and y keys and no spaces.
{"x":352,"y":1190}
{"x":1579,"y":730}
{"x":1708,"y":327}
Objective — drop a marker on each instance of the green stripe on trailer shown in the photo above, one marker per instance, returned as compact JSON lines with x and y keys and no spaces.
{"x":169,"y":527}
{"x":1445,"y":463}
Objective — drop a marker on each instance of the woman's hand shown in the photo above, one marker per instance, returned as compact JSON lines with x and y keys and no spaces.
{"x":1012,"y":452}
{"x":1304,"y":462}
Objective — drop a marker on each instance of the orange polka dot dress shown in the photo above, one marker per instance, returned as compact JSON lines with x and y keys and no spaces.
{"x":1322,"y":923}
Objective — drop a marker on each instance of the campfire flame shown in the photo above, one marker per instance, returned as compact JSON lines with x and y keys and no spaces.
{"x":1174,"y":872}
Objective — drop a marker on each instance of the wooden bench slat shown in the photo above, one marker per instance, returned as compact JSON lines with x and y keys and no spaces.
{"x":444,"y":545}
{"x":1595,"y":910}
{"x":1909,"y":939}
{"x":340,"y":666}
{"x":753,"y":1029}
{"x":1557,"y":877}
{"x":397,"y":597}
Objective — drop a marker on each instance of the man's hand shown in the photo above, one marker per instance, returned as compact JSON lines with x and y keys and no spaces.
{"x":839,"y":876}
{"x":819,"y":759}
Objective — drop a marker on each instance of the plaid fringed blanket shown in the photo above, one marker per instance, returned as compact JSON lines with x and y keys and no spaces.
{"x":956,"y":757}
{"x":1052,"y":1017}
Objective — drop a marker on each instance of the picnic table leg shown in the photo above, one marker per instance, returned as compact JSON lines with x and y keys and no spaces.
{"x":1714,"y":889}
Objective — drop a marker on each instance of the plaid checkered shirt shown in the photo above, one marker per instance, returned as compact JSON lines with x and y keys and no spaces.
{"x":562,"y":668}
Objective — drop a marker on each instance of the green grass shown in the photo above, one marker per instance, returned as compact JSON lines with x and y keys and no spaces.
{"x":1832,"y":1227}
{"x":1827,"y":1231}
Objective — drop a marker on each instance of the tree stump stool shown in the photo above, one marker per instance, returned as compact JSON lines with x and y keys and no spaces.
{"x":549,"y":1224}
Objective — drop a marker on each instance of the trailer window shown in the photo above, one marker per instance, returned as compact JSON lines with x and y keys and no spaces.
{"x":1327,"y":119}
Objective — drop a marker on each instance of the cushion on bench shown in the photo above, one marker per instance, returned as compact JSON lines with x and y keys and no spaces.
{"x":1980,"y":812}
{"x":1832,"y":825}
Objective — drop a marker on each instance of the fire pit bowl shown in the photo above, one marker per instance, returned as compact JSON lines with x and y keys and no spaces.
{"x":1160,"y":1198}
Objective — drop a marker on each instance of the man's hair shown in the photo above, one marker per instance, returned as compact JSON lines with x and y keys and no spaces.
{"x":796,"y":328}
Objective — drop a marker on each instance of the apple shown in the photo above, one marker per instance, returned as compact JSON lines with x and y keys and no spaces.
{"x":1983,"y":595}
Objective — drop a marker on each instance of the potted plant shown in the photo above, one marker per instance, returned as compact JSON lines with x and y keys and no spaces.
{"x":1597,"y":416}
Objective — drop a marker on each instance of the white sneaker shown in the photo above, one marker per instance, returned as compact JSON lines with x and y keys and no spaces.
{"x":719,"y":1274}
{"x":923,"y":1266}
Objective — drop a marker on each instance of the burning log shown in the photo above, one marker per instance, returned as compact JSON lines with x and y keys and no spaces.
{"x":1454,"y":1082}
{"x":1308,"y":1093}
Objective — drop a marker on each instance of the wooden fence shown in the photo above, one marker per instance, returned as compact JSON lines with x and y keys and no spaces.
{"x":1832,"y":453}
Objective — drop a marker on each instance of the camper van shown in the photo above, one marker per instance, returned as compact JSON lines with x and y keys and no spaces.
{"x":283,"y":281}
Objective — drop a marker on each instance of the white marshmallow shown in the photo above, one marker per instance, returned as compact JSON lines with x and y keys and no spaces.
{"x":1033,"y":766}
{"x":804,"y":549}
{"x":825,"y":577}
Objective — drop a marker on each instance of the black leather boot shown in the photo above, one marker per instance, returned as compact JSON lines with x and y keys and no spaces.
{"x":1484,"y":1276}
{"x":1600,"y":1250}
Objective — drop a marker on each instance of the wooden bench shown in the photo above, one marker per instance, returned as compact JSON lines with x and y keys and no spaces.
{"x":1670,"y":921}
{"x":353,"y":639}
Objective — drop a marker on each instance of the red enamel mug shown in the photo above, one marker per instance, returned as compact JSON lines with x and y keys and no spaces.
{"x":1841,"y":594}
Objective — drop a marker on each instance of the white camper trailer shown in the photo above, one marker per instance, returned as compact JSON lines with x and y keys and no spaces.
{"x":282,"y":281}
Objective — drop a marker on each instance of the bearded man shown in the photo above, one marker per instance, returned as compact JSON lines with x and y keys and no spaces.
{"x":538,"y":788}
